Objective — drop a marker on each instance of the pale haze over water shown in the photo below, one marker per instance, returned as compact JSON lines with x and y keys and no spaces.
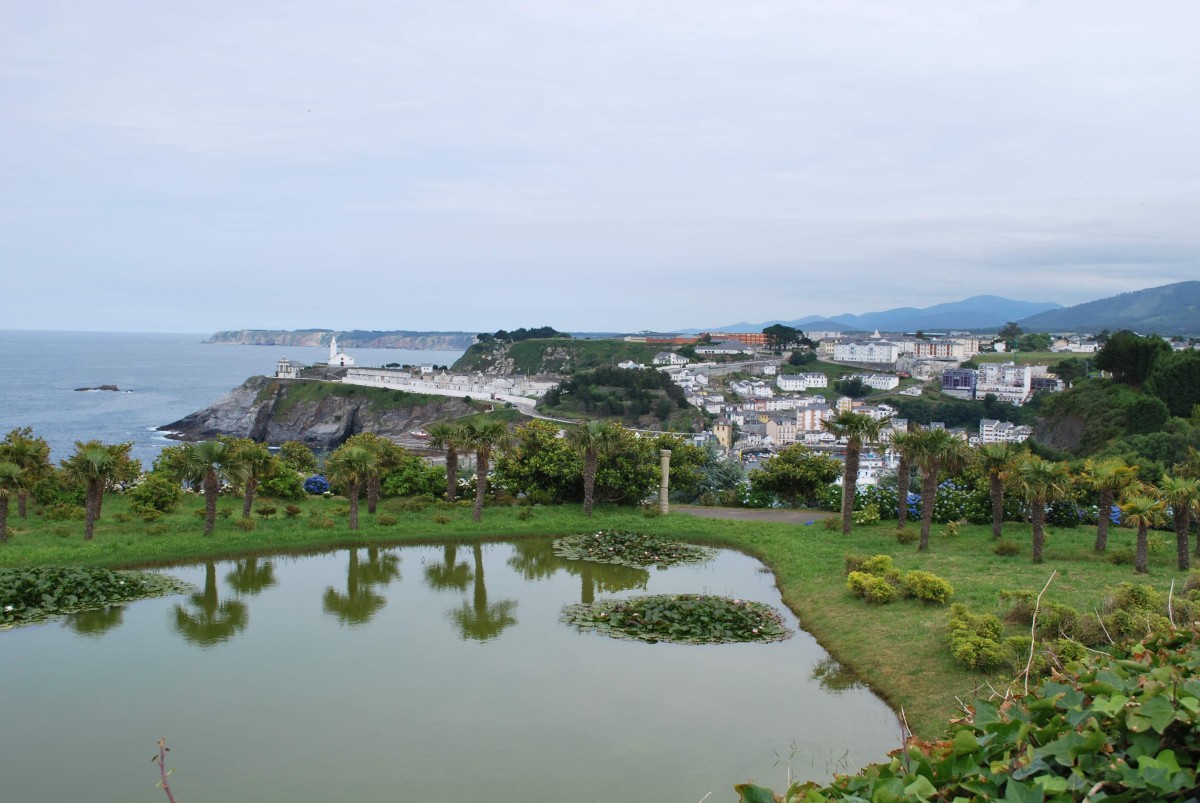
{"x":167,"y":376}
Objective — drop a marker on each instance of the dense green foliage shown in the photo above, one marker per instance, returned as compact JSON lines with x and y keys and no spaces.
{"x":521,"y":333}
{"x":620,"y":393}
{"x":962,"y":412}
{"x":554,"y":355}
{"x":1124,"y":727}
{"x":377,"y":398}
{"x":680,"y":619}
{"x":34,"y":594}
{"x":794,"y":475}
{"x":1130,"y":357}
{"x":1175,"y":379}
{"x":628,"y":548}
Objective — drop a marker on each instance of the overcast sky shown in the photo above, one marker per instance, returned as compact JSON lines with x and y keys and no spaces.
{"x":617,"y":165}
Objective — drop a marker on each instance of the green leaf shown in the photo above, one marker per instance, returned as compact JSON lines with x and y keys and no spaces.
{"x":749,"y":793}
{"x":1159,"y":711}
{"x":1018,"y":792}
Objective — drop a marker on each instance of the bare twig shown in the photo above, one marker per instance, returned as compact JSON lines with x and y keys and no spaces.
{"x":1033,"y":629}
{"x":161,"y":758}
{"x":1100,"y":619}
{"x":706,"y":797}
{"x":1170,"y":610}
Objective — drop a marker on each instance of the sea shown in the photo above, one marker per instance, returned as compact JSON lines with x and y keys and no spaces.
{"x":161,"y":378}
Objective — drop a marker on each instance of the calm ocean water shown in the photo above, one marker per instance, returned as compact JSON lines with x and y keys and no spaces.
{"x":162,"y":378}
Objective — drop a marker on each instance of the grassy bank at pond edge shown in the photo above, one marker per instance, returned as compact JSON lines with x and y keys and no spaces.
{"x":901,"y":649}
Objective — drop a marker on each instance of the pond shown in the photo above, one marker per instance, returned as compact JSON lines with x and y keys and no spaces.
{"x":420,"y":673}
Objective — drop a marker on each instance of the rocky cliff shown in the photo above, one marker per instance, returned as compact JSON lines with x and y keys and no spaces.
{"x":320,"y":415}
{"x":451,"y":341}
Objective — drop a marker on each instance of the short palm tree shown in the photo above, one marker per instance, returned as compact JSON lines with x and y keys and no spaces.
{"x":247,"y":462}
{"x":451,"y":438}
{"x":1182,"y":496}
{"x":859,"y":430}
{"x":995,"y":460}
{"x":387,"y":457}
{"x":934,"y":451}
{"x":1110,"y":478}
{"x":1142,"y":510}
{"x":484,"y":437}
{"x":1040,"y":482}
{"x":208,"y":462}
{"x":11,"y":483}
{"x":93,"y":463}
{"x":591,"y":439}
{"x":902,"y":444}
{"x":32,"y":455}
{"x":352,"y":466}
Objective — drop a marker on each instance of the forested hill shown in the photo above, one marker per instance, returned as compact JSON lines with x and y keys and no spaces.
{"x":1173,"y":309}
{"x":354,"y":338}
{"x":551,"y":355}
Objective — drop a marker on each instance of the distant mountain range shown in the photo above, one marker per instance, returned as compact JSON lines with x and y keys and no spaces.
{"x":1173,"y":309}
{"x":977,"y":312}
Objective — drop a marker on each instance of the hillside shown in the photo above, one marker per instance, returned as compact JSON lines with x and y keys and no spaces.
{"x":977,"y":312}
{"x":355,"y":338}
{"x":1172,"y":309}
{"x":551,"y":356}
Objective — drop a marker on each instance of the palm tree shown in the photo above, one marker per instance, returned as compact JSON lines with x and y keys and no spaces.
{"x":1110,"y":477}
{"x":247,"y":461}
{"x":902,"y":444}
{"x":484,"y":437}
{"x":995,"y":460}
{"x":387,"y":457}
{"x":208,"y":462}
{"x":591,"y":439}
{"x":859,"y":430}
{"x":360,"y":602}
{"x":449,"y":574}
{"x":1040,"y":482}
{"x":249,"y":577}
{"x":32,"y":455}
{"x":352,"y":466}
{"x":1142,"y":511}
{"x":934,"y":450}
{"x":1182,"y":495}
{"x":451,"y":438}
{"x":212,"y":621}
{"x":94,"y":463}
{"x":10,"y":485}
{"x":482,"y":620}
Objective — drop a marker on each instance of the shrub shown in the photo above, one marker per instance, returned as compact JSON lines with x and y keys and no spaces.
{"x":122,"y":518}
{"x":284,"y":484}
{"x":878,"y":564}
{"x":873,"y":589}
{"x":64,"y":512}
{"x":868,"y":515}
{"x":323,"y":523}
{"x":852,"y":562}
{"x":1006,"y":549}
{"x":524,"y":514}
{"x":291,"y":511}
{"x":246,"y":525}
{"x":907,"y":537}
{"x":833,"y":523}
{"x":1122,"y":557}
{"x":651,"y":511}
{"x":414,"y":504}
{"x":928,"y":587}
{"x":225,"y":512}
{"x":975,"y":640}
{"x":951,"y":530}
{"x":316,"y":485}
{"x":266,"y":511}
{"x":155,"y":493}
{"x":441,"y":519}
{"x":387,"y":521}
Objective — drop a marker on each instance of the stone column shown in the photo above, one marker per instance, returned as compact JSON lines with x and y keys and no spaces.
{"x":664,"y":456}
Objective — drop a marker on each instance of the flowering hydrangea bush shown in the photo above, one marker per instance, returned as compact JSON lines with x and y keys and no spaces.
{"x":316,"y":485}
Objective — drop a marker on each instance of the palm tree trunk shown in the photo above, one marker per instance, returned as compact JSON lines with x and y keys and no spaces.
{"x":1104,"y":516}
{"x":928,"y":497}
{"x":1143,"y":549}
{"x":902,"y":482}
{"x":372,"y":495}
{"x":89,"y":510}
{"x":210,"y":501}
{"x":849,"y":486}
{"x":248,"y":500}
{"x":22,"y":496}
{"x":997,"y":492}
{"x":352,"y":492}
{"x":1037,"y":516}
{"x":1183,"y":522}
{"x":589,"y":480}
{"x":3,"y":519}
{"x":451,"y":474}
{"x":481,"y":470}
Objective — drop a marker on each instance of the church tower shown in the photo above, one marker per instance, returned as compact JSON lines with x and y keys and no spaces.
{"x":332,"y":349}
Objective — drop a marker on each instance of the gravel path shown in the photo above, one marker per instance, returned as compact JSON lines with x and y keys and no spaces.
{"x":752,"y":514}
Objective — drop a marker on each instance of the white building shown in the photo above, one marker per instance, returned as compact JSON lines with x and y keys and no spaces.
{"x":726,"y":348}
{"x":867,"y":351}
{"x":992,"y":431}
{"x":1006,"y":381}
{"x":878,"y":381}
{"x":338,"y":358}
{"x":669,"y":358}
{"x":286,"y":369}
{"x":798,"y":383}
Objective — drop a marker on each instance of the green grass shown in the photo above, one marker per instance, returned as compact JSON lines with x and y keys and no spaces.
{"x":531,"y":356}
{"x":901,"y":649}
{"x":379,"y":398}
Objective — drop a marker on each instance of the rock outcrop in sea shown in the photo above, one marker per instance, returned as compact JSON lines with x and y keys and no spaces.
{"x":320,"y":415}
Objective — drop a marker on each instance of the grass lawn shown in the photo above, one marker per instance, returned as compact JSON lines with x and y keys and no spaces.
{"x":1027,"y":357}
{"x":901,"y":649}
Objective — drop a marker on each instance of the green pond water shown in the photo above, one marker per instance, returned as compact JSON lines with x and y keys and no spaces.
{"x":414,"y":674}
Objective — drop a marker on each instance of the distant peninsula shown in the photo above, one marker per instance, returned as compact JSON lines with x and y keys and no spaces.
{"x":354,"y":338}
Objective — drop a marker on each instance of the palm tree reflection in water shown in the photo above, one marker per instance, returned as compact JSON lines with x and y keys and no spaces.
{"x":360,"y":602}
{"x":211,"y":621}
